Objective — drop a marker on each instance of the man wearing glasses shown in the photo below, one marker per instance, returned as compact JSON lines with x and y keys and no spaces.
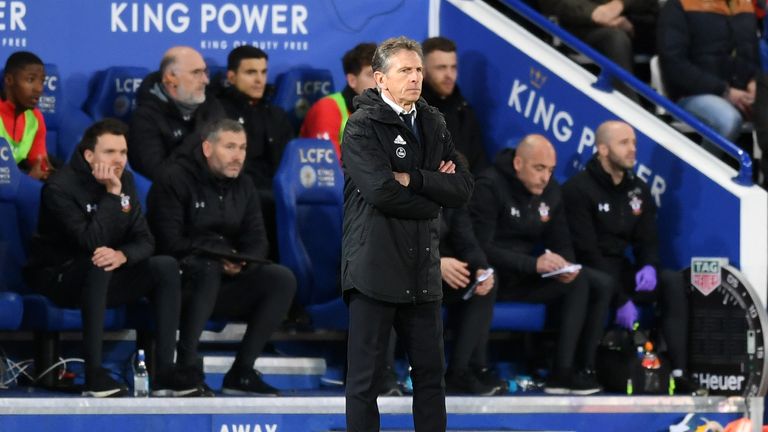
{"x":172,"y":105}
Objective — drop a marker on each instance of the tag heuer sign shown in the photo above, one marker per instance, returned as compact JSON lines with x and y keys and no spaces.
{"x":705,"y":273}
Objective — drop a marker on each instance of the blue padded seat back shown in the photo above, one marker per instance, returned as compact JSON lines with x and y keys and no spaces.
{"x":113,"y":92}
{"x":309,"y":200}
{"x":298,"y":89}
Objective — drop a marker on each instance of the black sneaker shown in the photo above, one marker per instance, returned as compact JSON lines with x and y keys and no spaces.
{"x":249,"y":383}
{"x":179,"y":382}
{"x":685,"y":386}
{"x":464,"y":381}
{"x":489,"y":377}
{"x":585,"y":383}
{"x":389,"y":384}
{"x":98,"y":383}
{"x":558,"y":383}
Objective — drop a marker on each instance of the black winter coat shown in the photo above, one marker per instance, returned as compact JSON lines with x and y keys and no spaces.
{"x":514,"y":226}
{"x":159,"y":132}
{"x":192,"y":211}
{"x":462,"y":124}
{"x":78,"y":215}
{"x":457,"y":239}
{"x":267,"y":129}
{"x":605,"y":218}
{"x":707,"y":45}
{"x":390,"y":248}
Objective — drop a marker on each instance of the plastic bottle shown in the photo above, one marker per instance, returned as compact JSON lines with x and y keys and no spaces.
{"x":140,"y":376}
{"x":650,"y":364}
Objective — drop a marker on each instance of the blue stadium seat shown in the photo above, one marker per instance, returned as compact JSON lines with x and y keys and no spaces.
{"x":113,"y":92}
{"x":20,"y":199}
{"x":298,"y":89}
{"x":309,"y":200}
{"x":523,"y":317}
{"x":64,"y":124}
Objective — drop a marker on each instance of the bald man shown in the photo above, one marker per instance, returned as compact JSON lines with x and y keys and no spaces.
{"x":609,"y":210}
{"x":172,"y":104}
{"x":519,"y":220}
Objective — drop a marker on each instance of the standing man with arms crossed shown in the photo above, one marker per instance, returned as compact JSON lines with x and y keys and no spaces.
{"x":400,"y":168}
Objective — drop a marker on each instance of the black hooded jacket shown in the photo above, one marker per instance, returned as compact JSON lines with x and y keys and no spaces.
{"x":267,"y":129}
{"x":462,"y":123}
{"x":78,"y":215}
{"x":192,"y":211}
{"x":606,"y":219}
{"x":159,"y":131}
{"x":390,"y":249}
{"x":514,"y":226}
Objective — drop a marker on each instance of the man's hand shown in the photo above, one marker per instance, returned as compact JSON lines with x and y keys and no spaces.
{"x":606,"y":13}
{"x":485,"y":286}
{"x":549,"y":262}
{"x":105,"y":174}
{"x":622,"y":23}
{"x":454,"y":272}
{"x":37,"y":170}
{"x":567,"y":277}
{"x":108,"y":259}
{"x":402,"y":178}
{"x":447,"y":167}
{"x":230,"y":268}
{"x":741,"y":99}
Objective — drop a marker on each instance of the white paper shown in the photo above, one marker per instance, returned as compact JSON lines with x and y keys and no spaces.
{"x":567,"y":269}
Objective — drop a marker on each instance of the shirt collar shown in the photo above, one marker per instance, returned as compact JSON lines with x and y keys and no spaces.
{"x":398,"y":109}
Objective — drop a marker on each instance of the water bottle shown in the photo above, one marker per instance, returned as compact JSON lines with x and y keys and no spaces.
{"x":140,"y":376}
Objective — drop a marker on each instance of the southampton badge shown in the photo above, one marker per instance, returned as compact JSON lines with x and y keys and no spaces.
{"x":125,"y":203}
{"x":400,"y":152}
{"x":637,"y":205}
{"x":544,"y":212}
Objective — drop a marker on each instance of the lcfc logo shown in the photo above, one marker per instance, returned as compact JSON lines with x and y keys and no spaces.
{"x":537,"y":77}
{"x":4,"y":153}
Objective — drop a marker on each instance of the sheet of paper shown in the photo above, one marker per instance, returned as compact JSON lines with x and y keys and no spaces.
{"x":567,"y":269}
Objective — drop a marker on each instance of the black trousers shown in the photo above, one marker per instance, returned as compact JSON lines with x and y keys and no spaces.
{"x":669,"y":294}
{"x":470,"y":322}
{"x":583,"y":311}
{"x":260,"y":295}
{"x":419,"y":328}
{"x":93,"y":290}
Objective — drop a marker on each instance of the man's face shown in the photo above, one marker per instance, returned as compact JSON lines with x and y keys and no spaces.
{"x":402,"y":81}
{"x":440,"y":72}
{"x":24,"y":87}
{"x":363,"y":80}
{"x":250,"y":77}
{"x":190,"y":76}
{"x":620,"y":150}
{"x":535,"y":169}
{"x":226,"y":156}
{"x":110,"y":150}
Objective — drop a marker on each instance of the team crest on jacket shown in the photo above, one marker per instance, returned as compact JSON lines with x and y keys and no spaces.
{"x":637,"y":205}
{"x":400,"y":152}
{"x":544,"y":212}
{"x":125,"y":203}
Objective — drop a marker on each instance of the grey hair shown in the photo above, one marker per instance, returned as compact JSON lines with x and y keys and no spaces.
{"x":167,"y":62}
{"x":390,"y":47}
{"x":216,"y":127}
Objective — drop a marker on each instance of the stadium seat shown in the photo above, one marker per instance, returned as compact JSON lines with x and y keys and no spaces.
{"x":309,"y":200}
{"x":113,"y":92}
{"x":298,"y":89}
{"x":523,"y":317}
{"x":21,"y":193}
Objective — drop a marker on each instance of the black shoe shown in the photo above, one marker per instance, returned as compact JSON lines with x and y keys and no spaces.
{"x":489,"y":377}
{"x":179,"y":382}
{"x":389,"y":384}
{"x":686,"y":386}
{"x":464,"y":381}
{"x":558,"y":383}
{"x":249,"y":383}
{"x":585,"y":383}
{"x":98,"y":383}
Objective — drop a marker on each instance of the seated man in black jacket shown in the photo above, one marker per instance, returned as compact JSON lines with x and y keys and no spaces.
{"x":266,"y":126}
{"x":93,"y":251}
{"x":519,"y":219}
{"x":172,"y":109}
{"x":208,"y":216}
{"x":611,"y":209}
